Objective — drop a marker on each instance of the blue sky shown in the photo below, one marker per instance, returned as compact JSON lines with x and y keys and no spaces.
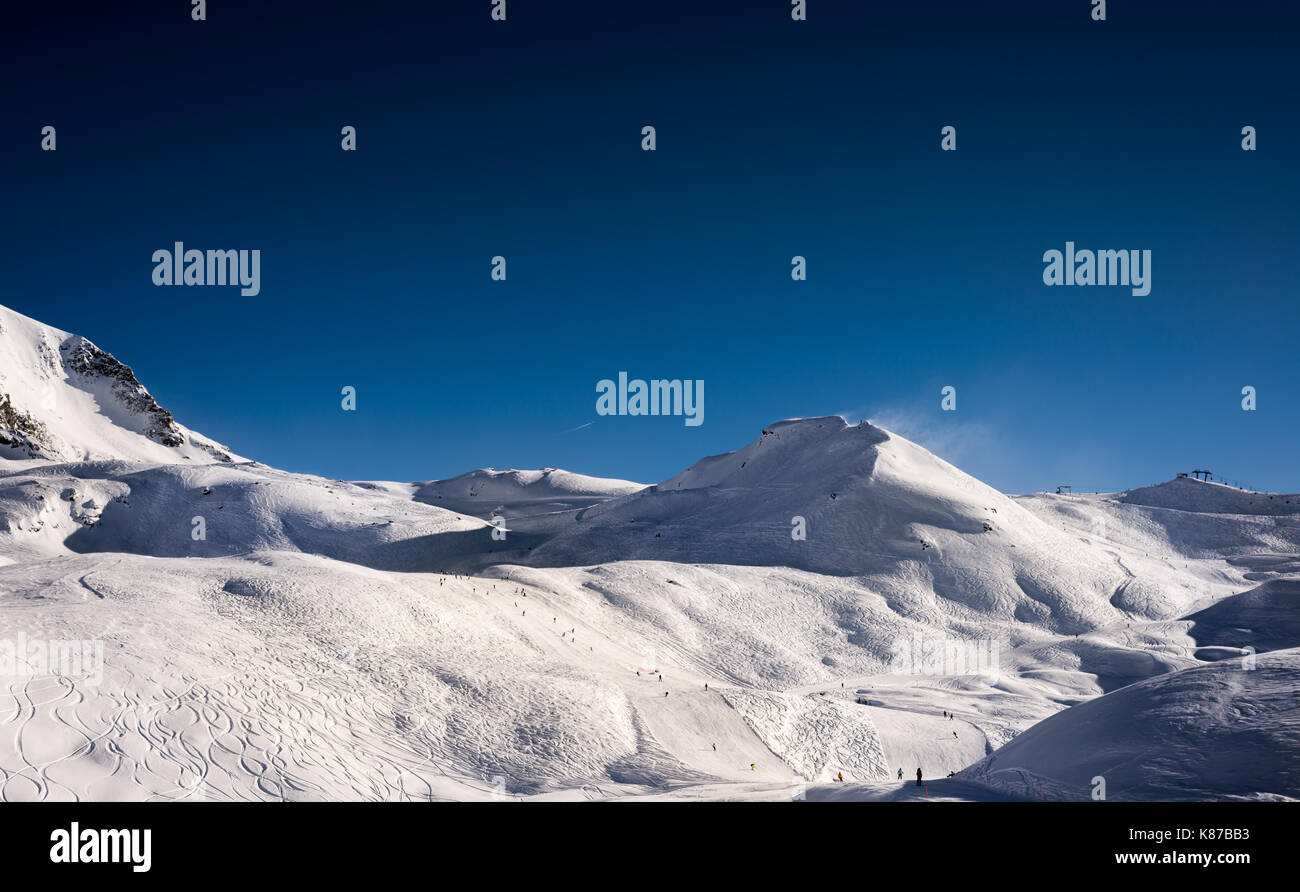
{"x":775,"y":138}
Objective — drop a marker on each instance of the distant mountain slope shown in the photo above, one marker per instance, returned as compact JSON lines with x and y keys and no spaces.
{"x":1184,"y":518}
{"x":64,"y":399}
{"x":121,"y":507}
{"x":487,"y":491}
{"x":1190,"y":494}
{"x":929,"y":538}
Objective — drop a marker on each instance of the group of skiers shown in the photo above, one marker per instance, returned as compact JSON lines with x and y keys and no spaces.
{"x":839,"y":775}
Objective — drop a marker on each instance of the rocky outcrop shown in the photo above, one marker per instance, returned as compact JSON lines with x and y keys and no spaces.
{"x":84,"y":359}
{"x":20,"y":431}
{"x":65,"y":399}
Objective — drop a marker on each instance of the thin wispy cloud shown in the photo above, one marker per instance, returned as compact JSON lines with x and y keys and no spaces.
{"x":958,"y":441}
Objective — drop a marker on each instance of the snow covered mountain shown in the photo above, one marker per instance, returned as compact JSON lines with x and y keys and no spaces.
{"x":250,"y":633}
{"x":870,"y":505}
{"x":63,"y":398}
{"x":486,"y":492}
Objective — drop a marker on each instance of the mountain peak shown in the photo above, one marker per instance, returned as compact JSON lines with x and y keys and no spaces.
{"x":62,"y":398}
{"x":823,"y":447}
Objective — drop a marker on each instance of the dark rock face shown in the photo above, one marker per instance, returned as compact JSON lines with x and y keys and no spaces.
{"x":81,"y":357}
{"x":20,"y":431}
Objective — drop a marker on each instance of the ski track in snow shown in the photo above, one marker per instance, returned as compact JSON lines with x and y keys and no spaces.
{"x":329,"y":640}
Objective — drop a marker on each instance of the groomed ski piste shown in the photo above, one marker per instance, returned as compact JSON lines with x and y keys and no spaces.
{"x":516,"y":635}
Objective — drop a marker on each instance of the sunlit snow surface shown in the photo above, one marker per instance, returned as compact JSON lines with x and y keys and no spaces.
{"x":310,"y":646}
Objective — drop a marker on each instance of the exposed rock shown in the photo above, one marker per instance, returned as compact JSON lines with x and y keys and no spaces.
{"x":84,"y":359}
{"x":20,"y":431}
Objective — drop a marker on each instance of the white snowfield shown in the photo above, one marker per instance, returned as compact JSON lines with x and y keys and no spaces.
{"x":180,"y":623}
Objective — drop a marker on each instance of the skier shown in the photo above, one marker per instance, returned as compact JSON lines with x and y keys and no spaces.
{"x":715,"y":747}
{"x":706,"y":686}
{"x":945,"y":713}
{"x":751,"y":766}
{"x":954,"y":735}
{"x":918,"y":777}
{"x":900,"y":774}
{"x":839,"y":776}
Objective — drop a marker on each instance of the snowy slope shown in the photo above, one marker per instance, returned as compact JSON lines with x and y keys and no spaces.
{"x":926,"y":539}
{"x":1225,"y":728}
{"x":124,"y":507}
{"x":1265,"y":618}
{"x":324,"y":639}
{"x":1208,"y":497}
{"x":516,"y":493}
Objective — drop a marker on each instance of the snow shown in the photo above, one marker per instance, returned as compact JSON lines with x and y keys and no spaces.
{"x":84,"y":418}
{"x":1221,"y":728}
{"x":373,"y":640}
{"x":1190,"y":494}
{"x":485,"y":492}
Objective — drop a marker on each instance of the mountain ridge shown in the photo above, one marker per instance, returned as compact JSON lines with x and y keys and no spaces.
{"x":377,"y":640}
{"x":64,"y":398}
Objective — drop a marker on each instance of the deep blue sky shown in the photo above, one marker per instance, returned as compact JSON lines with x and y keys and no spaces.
{"x":776,"y":138}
